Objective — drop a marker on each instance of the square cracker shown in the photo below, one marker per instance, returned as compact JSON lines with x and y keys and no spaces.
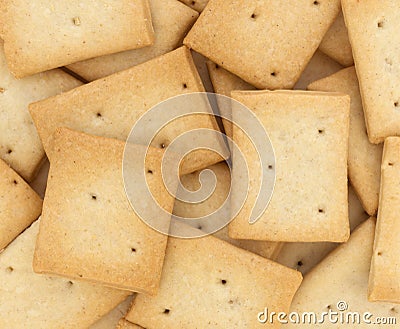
{"x":384,"y":284}
{"x":171,"y":20}
{"x":20,"y":145}
{"x":19,"y":205}
{"x":237,"y":283}
{"x":89,"y":231}
{"x":134,"y":91}
{"x":304,"y":256}
{"x":364,"y":158}
{"x":30,"y":300}
{"x":40,"y":35}
{"x":343,"y":276}
{"x":212,"y":203}
{"x":336,"y":43}
{"x":373,"y":33}
{"x":266,"y":43}
{"x":309,"y":134}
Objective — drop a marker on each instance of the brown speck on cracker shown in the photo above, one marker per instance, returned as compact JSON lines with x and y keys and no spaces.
{"x":77,"y":21}
{"x":2,"y":90}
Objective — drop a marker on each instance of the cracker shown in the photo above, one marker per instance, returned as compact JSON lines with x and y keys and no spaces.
{"x":20,"y":145}
{"x":134,"y":91}
{"x":238,"y":285}
{"x":112,"y":318}
{"x":364,"y":158}
{"x":198,"y":5}
{"x":320,"y":66}
{"x":304,"y":256}
{"x":224,"y":82}
{"x":374,"y":37}
{"x":19,"y":205}
{"x":336,"y":43}
{"x":309,"y":134}
{"x":384,"y":282}
{"x":213,"y":202}
{"x":123,"y":324}
{"x":343,"y":276}
{"x":29,"y":300}
{"x":89,"y":231}
{"x":171,"y":20}
{"x":259,"y":41}
{"x":40,"y":35}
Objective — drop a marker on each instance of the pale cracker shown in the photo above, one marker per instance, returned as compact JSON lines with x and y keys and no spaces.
{"x":19,"y":205}
{"x":221,"y":194}
{"x":237,"y":284}
{"x":89,"y":231}
{"x":336,"y":43}
{"x":373,"y":33}
{"x":303,"y":256}
{"x":309,"y":134}
{"x":364,"y":158}
{"x":171,"y":20}
{"x":343,"y":277}
{"x":91,"y":109}
{"x":40,"y":35}
{"x":30,"y":300}
{"x":384,"y":284}
{"x":20,"y":145}
{"x":259,"y":40}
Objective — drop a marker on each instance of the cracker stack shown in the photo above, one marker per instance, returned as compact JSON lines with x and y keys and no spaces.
{"x":81,"y":247}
